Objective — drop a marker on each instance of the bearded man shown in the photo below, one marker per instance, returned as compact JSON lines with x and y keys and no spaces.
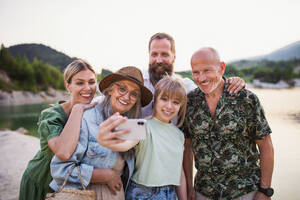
{"x":161,"y":62}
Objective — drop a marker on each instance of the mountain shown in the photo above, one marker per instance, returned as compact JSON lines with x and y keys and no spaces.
{"x":288,"y":52}
{"x":285,"y":53}
{"x":43,"y":53}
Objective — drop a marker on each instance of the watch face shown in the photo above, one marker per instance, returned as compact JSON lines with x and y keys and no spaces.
{"x":269,"y":192}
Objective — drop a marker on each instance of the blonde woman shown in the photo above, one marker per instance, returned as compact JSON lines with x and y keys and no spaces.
{"x":59,"y":128}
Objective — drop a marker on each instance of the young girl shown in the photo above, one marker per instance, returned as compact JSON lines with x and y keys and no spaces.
{"x":158,"y":172}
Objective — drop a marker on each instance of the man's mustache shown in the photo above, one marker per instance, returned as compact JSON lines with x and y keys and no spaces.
{"x":165,"y":67}
{"x":157,"y":65}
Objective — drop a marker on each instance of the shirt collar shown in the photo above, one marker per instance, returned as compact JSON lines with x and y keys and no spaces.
{"x":146,"y":75}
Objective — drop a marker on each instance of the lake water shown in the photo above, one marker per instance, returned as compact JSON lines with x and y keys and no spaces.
{"x":26,"y":116}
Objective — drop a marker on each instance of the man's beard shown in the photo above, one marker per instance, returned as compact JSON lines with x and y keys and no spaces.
{"x":158,"y":70}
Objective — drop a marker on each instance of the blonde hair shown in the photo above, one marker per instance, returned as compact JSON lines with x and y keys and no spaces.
{"x":75,"y":67}
{"x":172,"y":88}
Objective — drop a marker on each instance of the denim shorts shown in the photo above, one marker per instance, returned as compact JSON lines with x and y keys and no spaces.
{"x":139,"y":192}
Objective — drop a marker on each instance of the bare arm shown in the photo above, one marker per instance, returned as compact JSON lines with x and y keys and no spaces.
{"x":188,"y":158}
{"x":63,"y":146}
{"x":109,"y":177}
{"x":266,"y":164}
{"x":235,"y":84}
{"x":181,"y":190}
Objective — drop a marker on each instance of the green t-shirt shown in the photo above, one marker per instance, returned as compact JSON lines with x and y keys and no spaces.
{"x":159,"y":157}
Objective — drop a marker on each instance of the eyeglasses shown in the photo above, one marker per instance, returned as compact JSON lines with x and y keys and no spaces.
{"x":122,"y":90}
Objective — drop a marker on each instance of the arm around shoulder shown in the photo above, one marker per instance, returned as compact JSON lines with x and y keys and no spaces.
{"x":63,"y":146}
{"x":60,"y":168}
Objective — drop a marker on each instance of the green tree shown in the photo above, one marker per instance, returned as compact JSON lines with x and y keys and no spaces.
{"x":231,"y":70}
{"x":28,"y":76}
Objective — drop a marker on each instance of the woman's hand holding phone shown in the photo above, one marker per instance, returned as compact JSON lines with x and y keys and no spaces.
{"x":107,"y":136}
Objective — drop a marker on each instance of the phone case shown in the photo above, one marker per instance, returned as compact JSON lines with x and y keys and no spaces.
{"x":137,"y":127}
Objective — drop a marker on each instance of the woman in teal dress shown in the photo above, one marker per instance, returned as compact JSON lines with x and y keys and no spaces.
{"x":59,"y":129}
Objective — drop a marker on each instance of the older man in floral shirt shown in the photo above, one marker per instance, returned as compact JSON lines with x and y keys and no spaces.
{"x":223,"y":131}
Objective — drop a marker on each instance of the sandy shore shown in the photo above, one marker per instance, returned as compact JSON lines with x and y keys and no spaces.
{"x":15,"y":150}
{"x":280,"y":105}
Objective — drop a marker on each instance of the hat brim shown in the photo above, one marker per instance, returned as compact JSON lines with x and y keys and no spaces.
{"x":146,"y":94}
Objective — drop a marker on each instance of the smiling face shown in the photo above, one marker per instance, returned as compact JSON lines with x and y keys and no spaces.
{"x":161,"y":59}
{"x":166,"y":107}
{"x":82,"y":86}
{"x":123,"y":95}
{"x":207,"y":70}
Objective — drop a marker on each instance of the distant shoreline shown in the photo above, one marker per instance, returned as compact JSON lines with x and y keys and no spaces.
{"x":296,"y":117}
{"x":25,"y":97}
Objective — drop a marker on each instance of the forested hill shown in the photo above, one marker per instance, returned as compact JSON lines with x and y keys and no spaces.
{"x":17,"y":73}
{"x":42,"y":53}
{"x":34,"y":67}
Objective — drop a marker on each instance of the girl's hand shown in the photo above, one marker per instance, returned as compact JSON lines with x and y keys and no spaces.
{"x":107,"y":137}
{"x":235,"y":84}
{"x":114,"y":183}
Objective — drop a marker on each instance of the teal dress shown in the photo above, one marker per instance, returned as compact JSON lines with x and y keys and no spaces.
{"x":37,"y":176}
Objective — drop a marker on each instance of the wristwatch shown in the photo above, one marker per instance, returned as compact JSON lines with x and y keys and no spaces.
{"x":266,"y":191}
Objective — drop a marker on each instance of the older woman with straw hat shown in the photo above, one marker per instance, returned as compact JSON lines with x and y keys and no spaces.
{"x":124,"y":95}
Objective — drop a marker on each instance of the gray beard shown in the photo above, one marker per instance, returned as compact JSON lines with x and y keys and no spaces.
{"x":214,"y":86}
{"x":154,"y":76}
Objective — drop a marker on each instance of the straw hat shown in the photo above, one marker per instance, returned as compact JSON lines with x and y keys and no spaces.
{"x":132,"y":74}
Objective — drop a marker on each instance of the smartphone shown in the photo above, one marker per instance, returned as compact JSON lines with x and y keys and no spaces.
{"x":137,"y":127}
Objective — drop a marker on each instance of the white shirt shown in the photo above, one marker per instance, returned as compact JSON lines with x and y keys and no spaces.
{"x":148,"y":110}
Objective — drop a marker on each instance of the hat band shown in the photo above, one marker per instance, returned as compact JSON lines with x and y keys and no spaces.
{"x":137,"y":80}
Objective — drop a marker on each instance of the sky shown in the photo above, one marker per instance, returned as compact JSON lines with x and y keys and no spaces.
{"x":114,"y":33}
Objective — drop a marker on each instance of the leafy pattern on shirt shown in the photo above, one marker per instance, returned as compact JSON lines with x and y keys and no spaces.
{"x":225,"y":152}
